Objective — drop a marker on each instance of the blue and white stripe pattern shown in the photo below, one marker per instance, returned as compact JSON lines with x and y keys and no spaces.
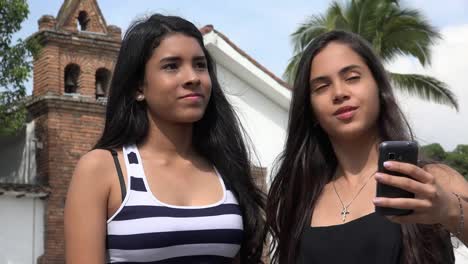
{"x":146,"y":230}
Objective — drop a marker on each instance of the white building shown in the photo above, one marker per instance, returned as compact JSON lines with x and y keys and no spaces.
{"x":260,"y":98}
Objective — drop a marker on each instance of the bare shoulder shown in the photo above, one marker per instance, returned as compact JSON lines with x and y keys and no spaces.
{"x":95,"y":161}
{"x":94,"y":169}
{"x":447,"y":176}
{"x":90,"y":184}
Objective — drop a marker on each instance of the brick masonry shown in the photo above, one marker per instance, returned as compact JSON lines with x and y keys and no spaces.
{"x":67,"y":125}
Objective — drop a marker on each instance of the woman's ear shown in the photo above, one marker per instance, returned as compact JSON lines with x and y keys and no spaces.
{"x":139,"y":95}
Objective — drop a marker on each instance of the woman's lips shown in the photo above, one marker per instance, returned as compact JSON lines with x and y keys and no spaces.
{"x":345,"y":113}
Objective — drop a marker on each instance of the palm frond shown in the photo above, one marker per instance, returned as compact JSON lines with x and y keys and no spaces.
{"x":291,"y":69}
{"x":307,"y":31}
{"x":408,"y":33}
{"x":425,"y":87}
{"x":336,"y":18}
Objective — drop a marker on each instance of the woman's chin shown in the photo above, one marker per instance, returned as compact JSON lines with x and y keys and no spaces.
{"x":190,"y":118}
{"x":352,"y":132}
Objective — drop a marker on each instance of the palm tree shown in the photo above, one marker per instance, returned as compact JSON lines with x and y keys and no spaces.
{"x":392,"y":30}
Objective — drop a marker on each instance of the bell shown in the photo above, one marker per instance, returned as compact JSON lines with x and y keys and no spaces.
{"x":70,"y":85}
{"x":99,"y":89}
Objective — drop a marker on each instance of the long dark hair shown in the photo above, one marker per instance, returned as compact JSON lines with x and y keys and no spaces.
{"x":308,"y":162}
{"x":217,"y":136}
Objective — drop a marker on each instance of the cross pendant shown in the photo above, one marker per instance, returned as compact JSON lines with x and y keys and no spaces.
{"x":344,"y":212}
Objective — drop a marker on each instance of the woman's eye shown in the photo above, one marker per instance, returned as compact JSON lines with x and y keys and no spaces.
{"x":320,"y":87}
{"x":170,"y":66}
{"x":201,"y":65}
{"x":353,"y":78}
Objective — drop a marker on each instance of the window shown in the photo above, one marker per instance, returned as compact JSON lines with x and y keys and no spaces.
{"x":83,"y":20}
{"x":103,"y":76}
{"x":72,"y":74}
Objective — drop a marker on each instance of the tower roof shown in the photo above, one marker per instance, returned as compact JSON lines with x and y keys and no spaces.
{"x":84,"y":10}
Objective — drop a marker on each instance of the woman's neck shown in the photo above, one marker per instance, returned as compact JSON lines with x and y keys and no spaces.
{"x":168,"y":140}
{"x":357,"y":158}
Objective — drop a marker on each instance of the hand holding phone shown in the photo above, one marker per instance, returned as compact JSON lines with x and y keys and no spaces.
{"x":401,"y":151}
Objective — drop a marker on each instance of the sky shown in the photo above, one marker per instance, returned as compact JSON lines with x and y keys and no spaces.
{"x":262,"y":28}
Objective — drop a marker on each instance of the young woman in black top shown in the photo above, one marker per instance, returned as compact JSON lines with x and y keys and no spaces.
{"x":321,"y":203}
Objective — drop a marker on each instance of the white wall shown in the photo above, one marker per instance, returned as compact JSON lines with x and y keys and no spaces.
{"x":21,"y":229}
{"x":264,"y":121}
{"x":18,"y":163}
{"x":461,"y":252}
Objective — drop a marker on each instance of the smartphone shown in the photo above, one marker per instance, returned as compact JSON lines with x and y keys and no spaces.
{"x":401,"y":151}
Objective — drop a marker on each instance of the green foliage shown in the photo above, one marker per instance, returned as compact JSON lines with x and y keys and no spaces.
{"x":457,"y":159}
{"x":434,"y":151}
{"x":391,"y":29}
{"x":15,"y":65}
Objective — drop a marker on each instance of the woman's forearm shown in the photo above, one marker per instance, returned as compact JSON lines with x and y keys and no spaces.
{"x":457,"y":218}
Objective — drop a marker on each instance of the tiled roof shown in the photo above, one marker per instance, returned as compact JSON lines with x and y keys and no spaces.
{"x":24,"y":190}
{"x":69,"y":6}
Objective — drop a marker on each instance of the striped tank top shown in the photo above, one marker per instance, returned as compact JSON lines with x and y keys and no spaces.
{"x":146,"y":230}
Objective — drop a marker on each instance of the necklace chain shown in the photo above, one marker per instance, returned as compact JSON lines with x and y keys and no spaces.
{"x":344,"y":210}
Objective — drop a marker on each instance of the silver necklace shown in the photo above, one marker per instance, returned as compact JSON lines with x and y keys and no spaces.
{"x":344,"y":211}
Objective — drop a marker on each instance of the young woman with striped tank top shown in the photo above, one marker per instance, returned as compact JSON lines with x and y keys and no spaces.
{"x":177,"y":187}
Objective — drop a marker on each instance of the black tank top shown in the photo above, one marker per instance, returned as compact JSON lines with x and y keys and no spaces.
{"x":369,"y":239}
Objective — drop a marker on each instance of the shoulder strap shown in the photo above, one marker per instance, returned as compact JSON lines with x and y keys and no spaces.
{"x":119,"y":173}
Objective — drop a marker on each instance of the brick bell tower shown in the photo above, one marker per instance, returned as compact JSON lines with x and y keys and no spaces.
{"x":72,"y":74}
